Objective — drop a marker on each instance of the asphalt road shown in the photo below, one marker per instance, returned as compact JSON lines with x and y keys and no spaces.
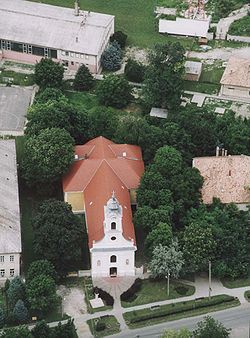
{"x":237,"y":318}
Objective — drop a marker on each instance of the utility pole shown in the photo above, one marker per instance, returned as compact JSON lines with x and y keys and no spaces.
{"x":168,"y":282}
{"x":209,"y":279}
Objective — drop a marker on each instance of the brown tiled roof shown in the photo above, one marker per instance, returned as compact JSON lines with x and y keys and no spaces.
{"x":225,"y":177}
{"x":103,"y":167}
{"x":237,"y":73}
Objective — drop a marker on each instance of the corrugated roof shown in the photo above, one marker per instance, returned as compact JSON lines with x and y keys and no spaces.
{"x":186,"y":27}
{"x":237,"y":73}
{"x":225,"y":177}
{"x":10,"y":233}
{"x":108,"y":167}
{"x":52,"y":26}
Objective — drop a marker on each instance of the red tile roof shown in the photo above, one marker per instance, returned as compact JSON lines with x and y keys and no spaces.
{"x":103,"y":167}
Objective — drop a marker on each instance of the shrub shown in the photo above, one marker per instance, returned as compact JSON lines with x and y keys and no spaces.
{"x":181,"y":290}
{"x":20,"y":312}
{"x":48,"y":73}
{"x":100,"y":326}
{"x":134,"y":70}
{"x":106,"y":297}
{"x":130,"y":294}
{"x":83,"y":79}
{"x":112,"y":57}
{"x":120,"y":37}
{"x":41,"y":267}
{"x":2,"y":317}
{"x":49,"y":94}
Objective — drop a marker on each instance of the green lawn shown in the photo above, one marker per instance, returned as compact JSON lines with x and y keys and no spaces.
{"x":201,"y":87}
{"x":18,"y":78}
{"x":240,"y":27}
{"x":112,"y":326}
{"x":134,"y":17}
{"x":82,"y":100}
{"x":236,"y":283}
{"x":176,"y":311}
{"x":212,"y":73}
{"x":156,"y":290}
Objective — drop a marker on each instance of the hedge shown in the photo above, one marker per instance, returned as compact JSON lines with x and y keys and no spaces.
{"x":130,"y":294}
{"x":109,"y":300}
{"x":181,"y":307}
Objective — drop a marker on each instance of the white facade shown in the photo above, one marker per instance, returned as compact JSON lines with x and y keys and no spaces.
{"x":113,"y":255}
{"x":235,"y":91}
{"x":9,"y":265}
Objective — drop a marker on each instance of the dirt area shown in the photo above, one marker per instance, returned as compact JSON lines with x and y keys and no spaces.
{"x":73,"y":303}
{"x":137,"y":54}
{"x":222,"y":53}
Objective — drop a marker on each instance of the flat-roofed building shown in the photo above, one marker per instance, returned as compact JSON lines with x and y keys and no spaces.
{"x":184,"y":27}
{"x":10,"y":232}
{"x":236,"y":78}
{"x":193,"y":70}
{"x":30,"y":31}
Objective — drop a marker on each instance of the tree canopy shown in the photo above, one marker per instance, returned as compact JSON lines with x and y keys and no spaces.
{"x":209,"y":327}
{"x":84,"y":79}
{"x":48,"y":73}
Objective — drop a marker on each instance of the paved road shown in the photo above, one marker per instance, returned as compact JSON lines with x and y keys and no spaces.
{"x":237,"y":318}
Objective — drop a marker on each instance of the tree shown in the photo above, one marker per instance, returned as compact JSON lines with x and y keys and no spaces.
{"x":114,"y":91}
{"x":161,"y":234}
{"x":65,"y":331}
{"x":120,"y":37}
{"x":199,"y":246}
{"x":168,"y":161}
{"x":41,"y":291}
{"x":182,"y":333}
{"x":167,"y":261}
{"x":20,"y":312}
{"x":41,"y":330}
{"x":2,"y":317}
{"x":41,"y":267}
{"x":16,"y":332}
{"x":49,"y":94}
{"x":48,"y":73}
{"x":112,"y":57}
{"x":16,"y":291}
{"x":58,"y":114}
{"x":58,"y":235}
{"x":47,"y":156}
{"x":103,"y":122}
{"x":83,"y":79}
{"x":209,"y":327}
{"x":163,"y":77}
{"x":134,"y":71}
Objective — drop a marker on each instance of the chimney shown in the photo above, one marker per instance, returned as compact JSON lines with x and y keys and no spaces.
{"x":77,"y":8}
{"x":217,"y":151}
{"x":124,"y":154}
{"x":76,"y":157}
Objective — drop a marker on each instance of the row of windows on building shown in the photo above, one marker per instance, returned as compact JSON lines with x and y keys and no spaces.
{"x":74,"y":55}
{"x":113,"y":259}
{"x":2,"y":258}
{"x":28,"y":49}
{"x":3,"y":273}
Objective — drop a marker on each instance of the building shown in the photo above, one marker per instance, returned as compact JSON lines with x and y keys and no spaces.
{"x":193,"y":70}
{"x":184,"y":27}
{"x":236,"y":78}
{"x":226,"y":178}
{"x":102,"y":184}
{"x":10,"y":232}
{"x":30,"y":31}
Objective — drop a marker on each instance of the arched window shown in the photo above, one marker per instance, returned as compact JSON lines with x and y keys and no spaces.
{"x":113,"y":259}
{"x":98,"y":262}
{"x":113,"y":226}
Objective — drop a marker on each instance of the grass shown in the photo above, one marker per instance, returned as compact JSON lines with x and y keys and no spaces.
{"x":82,"y":100}
{"x":240,"y":27}
{"x":212,"y":73}
{"x":247,"y":295}
{"x":128,"y":316}
{"x":201,"y":87}
{"x":135,"y":18}
{"x":236,"y":283}
{"x":112,"y":326}
{"x":19,"y":79}
{"x":156,"y":290}
{"x":211,"y":7}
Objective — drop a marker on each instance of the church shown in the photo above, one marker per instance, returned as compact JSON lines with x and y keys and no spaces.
{"x":101,"y":184}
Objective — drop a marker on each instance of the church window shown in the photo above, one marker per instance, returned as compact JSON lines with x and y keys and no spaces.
{"x":2,"y":273}
{"x":113,"y":226}
{"x":127,"y":261}
{"x":113,"y":238}
{"x":113,"y":259}
{"x":98,"y":262}
{"x":11,"y":258}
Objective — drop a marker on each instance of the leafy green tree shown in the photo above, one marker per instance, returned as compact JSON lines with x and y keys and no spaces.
{"x":114,"y":91}
{"x":168,"y":161}
{"x":41,"y":267}
{"x":199,"y":246}
{"x":48,"y":73}
{"x":49,"y":94}
{"x":120,"y":37}
{"x":16,"y":291}
{"x":163,"y":77}
{"x":41,"y":330}
{"x":134,"y":71}
{"x":112,"y":57}
{"x":20,"y":312}
{"x":209,"y":327}
{"x":47,"y":156}
{"x":2,"y":317}
{"x":16,"y":332}
{"x":58,"y":114}
{"x":58,"y":235}
{"x":41,"y":292}
{"x":161,"y":234}
{"x":65,"y":330}
{"x":83,"y":79}
{"x":182,"y":333}
{"x":103,"y":122}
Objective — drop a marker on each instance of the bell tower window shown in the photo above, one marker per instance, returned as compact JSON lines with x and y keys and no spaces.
{"x":113,"y":259}
{"x":113,"y":226}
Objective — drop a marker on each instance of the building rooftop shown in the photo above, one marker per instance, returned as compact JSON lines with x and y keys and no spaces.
{"x":186,"y":27}
{"x":10,"y":233}
{"x":225,"y":177}
{"x":237,"y":73}
{"x":193,"y":67}
{"x":52,"y":26}
{"x":103,"y":167}
{"x":159,"y":112}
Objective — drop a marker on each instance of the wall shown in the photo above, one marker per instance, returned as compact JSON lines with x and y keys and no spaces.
{"x":235,"y":91}
{"x":238,"y":38}
{"x":76,"y":200}
{"x":7,"y":265}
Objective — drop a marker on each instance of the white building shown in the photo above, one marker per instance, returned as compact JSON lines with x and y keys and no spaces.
{"x":113,"y":255}
{"x":30,"y":31}
{"x":184,"y":27}
{"x":10,"y":232}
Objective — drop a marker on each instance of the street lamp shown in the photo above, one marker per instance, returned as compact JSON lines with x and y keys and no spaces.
{"x":168,"y":277}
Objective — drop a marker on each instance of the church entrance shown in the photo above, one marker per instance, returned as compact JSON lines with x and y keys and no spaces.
{"x":113,"y":272}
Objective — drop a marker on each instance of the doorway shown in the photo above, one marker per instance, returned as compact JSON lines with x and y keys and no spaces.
{"x":113,"y":272}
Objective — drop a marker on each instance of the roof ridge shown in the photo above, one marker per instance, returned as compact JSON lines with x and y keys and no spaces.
{"x":117,"y":174}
